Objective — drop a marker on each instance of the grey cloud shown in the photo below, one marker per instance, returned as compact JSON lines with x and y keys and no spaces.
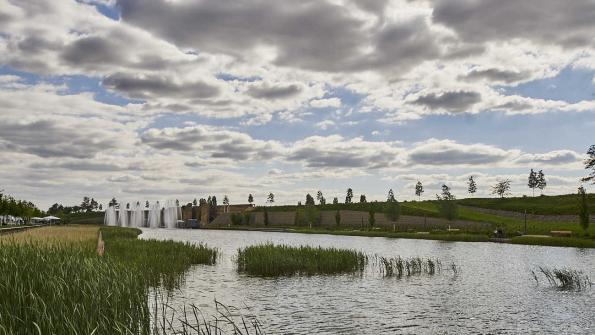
{"x":48,"y":139}
{"x":310,"y":34}
{"x":215,"y":143}
{"x":147,"y":86}
{"x":565,"y":23}
{"x":557,"y":157}
{"x":273,"y":93}
{"x":496,"y":75}
{"x":92,"y":49}
{"x":449,"y":153}
{"x":83,"y":166}
{"x":453,"y":101}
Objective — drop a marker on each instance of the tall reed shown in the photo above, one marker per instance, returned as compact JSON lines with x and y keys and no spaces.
{"x":399,"y":267}
{"x":283,"y":260}
{"x":564,"y":279}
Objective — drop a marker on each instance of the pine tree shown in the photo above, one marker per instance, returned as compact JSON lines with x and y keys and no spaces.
{"x":391,"y":196}
{"x":250,"y":199}
{"x":472,"y":187}
{"x":419,"y":189}
{"x":532,"y":181}
{"x":541,"y":182}
{"x":349,"y":196}
{"x":309,"y":199}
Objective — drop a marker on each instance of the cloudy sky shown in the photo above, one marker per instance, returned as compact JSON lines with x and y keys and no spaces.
{"x":164,"y":99}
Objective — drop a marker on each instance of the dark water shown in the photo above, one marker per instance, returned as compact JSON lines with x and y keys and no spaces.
{"x":493,"y":293}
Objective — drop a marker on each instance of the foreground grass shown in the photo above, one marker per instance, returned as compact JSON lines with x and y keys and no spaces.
{"x":283,"y":260}
{"x":52,"y":281}
{"x":64,"y":289}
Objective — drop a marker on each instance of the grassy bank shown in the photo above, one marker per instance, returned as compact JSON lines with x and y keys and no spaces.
{"x":53,"y":282}
{"x":555,"y":241}
{"x":282,"y":260}
{"x":566,"y":204}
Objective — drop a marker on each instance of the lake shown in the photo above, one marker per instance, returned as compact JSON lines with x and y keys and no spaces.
{"x":493,"y":292}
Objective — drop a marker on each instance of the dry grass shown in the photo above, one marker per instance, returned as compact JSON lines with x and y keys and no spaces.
{"x":53,"y":235}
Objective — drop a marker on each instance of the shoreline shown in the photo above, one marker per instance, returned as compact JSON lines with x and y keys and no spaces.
{"x":569,"y":242}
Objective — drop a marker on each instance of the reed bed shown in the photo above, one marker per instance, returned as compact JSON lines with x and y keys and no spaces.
{"x":399,"y":267}
{"x":53,"y":282}
{"x":564,"y":279}
{"x":271,"y":260}
{"x":64,"y":289}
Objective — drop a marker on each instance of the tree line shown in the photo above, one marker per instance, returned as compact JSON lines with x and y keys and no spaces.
{"x":15,"y":207}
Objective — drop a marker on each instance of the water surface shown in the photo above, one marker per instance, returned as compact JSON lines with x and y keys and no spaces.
{"x":493,"y":293}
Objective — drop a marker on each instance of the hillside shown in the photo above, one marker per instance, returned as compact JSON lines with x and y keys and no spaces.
{"x":544,"y":205}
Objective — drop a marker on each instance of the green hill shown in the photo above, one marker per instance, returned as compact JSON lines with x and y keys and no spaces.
{"x":546,"y":205}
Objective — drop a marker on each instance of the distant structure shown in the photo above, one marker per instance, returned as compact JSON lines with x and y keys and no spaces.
{"x":203,"y":214}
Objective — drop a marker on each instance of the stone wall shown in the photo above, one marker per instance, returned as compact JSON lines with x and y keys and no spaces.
{"x":530,"y":217}
{"x":356,"y":219}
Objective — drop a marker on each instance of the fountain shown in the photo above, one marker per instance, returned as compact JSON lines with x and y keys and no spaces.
{"x":155,"y":215}
{"x":123,"y":216}
{"x":137,"y":216}
{"x":171,"y":214}
{"x":111,"y":218}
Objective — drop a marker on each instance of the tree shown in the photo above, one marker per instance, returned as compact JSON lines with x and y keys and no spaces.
{"x":312,"y":214}
{"x":194,"y":203}
{"x":446,"y":195}
{"x":501,"y":188}
{"x":100,"y":207}
{"x":447,"y":206}
{"x":128,"y":206}
{"x":147,"y":203}
{"x":419,"y":189}
{"x":590,"y":164}
{"x":349,"y":196}
{"x":471,"y":186}
{"x":392,"y":211}
{"x":320,"y":198}
{"x":113,"y":202}
{"x":362,"y":199}
{"x":584,"y":217}
{"x":335,"y":200}
{"x":226,"y":203}
{"x":250,"y":199}
{"x":338,"y":217}
{"x":371,"y":215}
{"x":541,"y":182}
{"x":86,"y":204}
{"x":532,"y":181}
{"x":309,"y":199}
{"x":271,"y":198}
{"x":391,"y":196}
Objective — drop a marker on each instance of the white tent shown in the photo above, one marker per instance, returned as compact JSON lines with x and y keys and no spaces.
{"x":51,"y":219}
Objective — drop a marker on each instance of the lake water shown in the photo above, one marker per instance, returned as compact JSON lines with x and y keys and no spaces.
{"x":493,"y":293}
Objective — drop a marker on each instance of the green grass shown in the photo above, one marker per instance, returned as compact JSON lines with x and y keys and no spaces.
{"x":547,"y":205}
{"x":555,"y":241}
{"x":65,"y":288}
{"x":282,"y":260}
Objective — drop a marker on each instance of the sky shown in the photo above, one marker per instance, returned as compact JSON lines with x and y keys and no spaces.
{"x":182,"y":99}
